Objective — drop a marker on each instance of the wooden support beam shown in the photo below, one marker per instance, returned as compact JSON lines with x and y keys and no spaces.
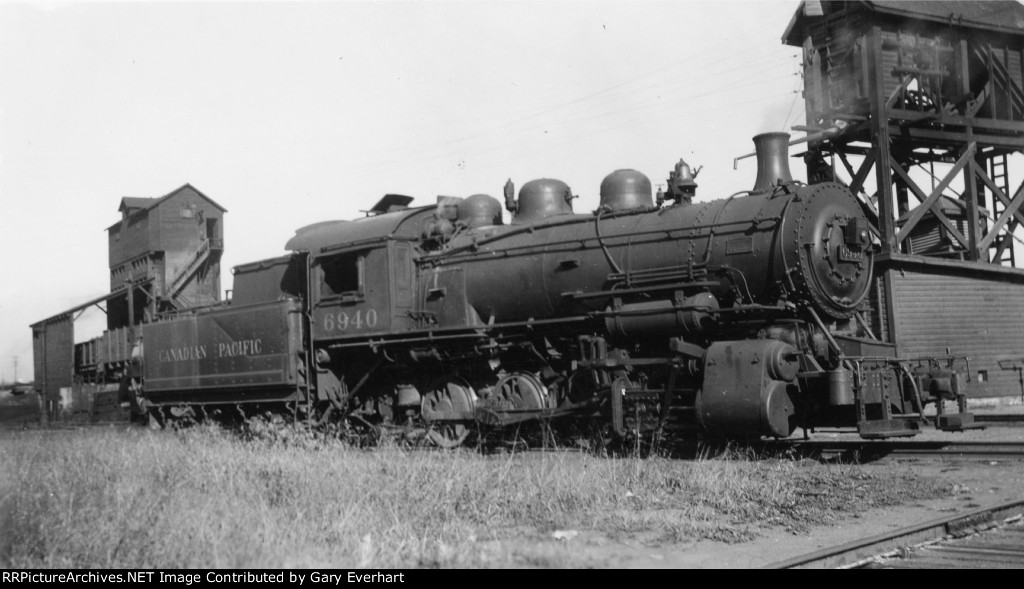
{"x":836,"y":146}
{"x":858,"y":178}
{"x":857,"y":184}
{"x":971,"y":196}
{"x":949,"y":136}
{"x":944,"y":220}
{"x":929,"y":203}
{"x":939,"y":215}
{"x":1007,"y":242}
{"x":891,"y":101}
{"x":991,"y":86}
{"x":847,"y":165}
{"x":964,"y":67}
{"x":880,"y":138}
{"x":962,"y":121}
{"x":1012,"y":210}
{"x":999,"y":194}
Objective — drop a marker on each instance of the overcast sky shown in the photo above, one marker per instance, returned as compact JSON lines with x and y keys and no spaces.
{"x":292,"y":113}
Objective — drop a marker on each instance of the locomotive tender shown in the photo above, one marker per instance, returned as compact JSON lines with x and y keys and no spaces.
{"x":735,"y":317}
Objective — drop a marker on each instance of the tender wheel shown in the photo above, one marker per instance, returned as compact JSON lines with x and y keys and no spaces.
{"x":447,"y":398}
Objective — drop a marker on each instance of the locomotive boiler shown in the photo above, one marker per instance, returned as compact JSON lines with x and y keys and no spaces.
{"x":736,"y":317}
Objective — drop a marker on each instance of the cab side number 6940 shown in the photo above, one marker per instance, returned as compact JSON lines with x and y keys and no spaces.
{"x":343,"y":321}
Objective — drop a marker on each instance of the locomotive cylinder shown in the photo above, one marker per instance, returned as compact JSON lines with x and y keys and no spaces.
{"x":739,"y":395}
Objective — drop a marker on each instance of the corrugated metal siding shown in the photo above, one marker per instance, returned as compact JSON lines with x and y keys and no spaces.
{"x":982,"y":319}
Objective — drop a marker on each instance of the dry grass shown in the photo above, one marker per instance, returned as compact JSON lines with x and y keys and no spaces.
{"x":204,"y":498}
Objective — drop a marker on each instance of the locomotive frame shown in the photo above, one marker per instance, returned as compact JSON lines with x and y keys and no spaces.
{"x":740,"y":317}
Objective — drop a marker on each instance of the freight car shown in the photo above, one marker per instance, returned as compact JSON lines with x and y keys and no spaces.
{"x":736,"y":317}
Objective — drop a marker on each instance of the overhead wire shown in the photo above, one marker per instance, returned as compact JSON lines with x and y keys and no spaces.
{"x":796,"y":90}
{"x":510,"y":127}
{"x":766,"y":76}
{"x":689,"y":60}
{"x":298,"y":151}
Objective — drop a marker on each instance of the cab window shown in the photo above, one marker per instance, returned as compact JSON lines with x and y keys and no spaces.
{"x":343,"y":275}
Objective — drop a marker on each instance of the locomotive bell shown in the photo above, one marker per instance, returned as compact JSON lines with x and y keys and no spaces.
{"x":624,"y":190}
{"x":772,"y":160}
{"x":539,"y":199}
{"x":681,"y":185}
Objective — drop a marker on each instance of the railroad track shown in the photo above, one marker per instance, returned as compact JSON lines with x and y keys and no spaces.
{"x":991,"y":537}
{"x":1001,"y":420}
{"x":871,"y":451}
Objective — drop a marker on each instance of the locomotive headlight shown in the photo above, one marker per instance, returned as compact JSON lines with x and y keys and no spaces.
{"x":857,"y":233}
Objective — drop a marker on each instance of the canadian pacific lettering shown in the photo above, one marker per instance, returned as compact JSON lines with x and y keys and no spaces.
{"x":182,"y":354}
{"x":246,"y":347}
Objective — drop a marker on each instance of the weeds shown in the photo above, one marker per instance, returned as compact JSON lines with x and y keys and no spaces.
{"x":203,"y":497}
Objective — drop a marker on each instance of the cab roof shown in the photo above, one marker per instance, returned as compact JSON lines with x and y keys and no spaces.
{"x":334,"y":235}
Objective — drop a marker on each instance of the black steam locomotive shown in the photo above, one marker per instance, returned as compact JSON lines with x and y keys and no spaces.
{"x":734,"y":317}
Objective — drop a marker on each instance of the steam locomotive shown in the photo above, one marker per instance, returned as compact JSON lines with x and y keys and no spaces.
{"x":729,"y":318}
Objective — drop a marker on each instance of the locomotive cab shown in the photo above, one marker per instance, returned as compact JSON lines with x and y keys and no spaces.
{"x":363,"y":289}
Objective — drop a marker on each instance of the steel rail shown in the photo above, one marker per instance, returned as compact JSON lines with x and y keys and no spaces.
{"x":1001,"y":419}
{"x":979,"y":450}
{"x":866,"y":549}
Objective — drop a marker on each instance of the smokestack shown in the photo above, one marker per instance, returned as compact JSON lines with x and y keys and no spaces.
{"x":772,"y":160}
